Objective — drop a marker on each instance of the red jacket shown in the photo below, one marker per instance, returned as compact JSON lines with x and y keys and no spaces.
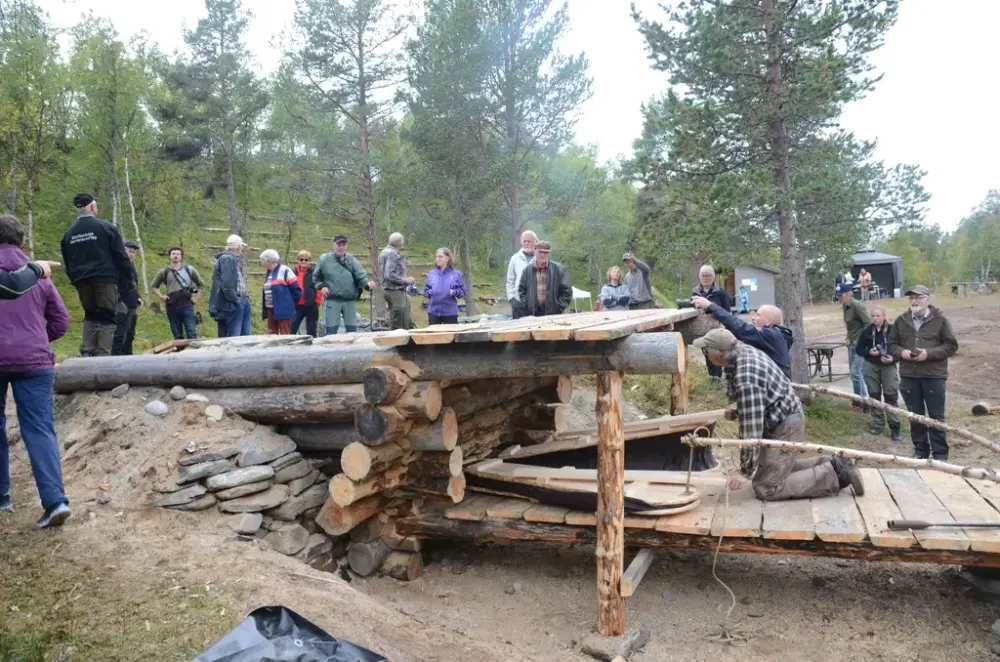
{"x":305,"y":277}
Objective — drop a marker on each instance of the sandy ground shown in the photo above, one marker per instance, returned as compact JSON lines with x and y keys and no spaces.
{"x":486,"y":603}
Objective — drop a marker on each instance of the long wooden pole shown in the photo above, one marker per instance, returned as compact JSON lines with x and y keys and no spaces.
{"x":610,"y":505}
{"x":848,"y":453}
{"x":916,"y":418}
{"x":304,"y":365}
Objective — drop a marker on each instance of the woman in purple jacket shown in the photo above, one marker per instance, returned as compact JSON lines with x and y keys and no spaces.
{"x":27,"y":326}
{"x":444,"y":288}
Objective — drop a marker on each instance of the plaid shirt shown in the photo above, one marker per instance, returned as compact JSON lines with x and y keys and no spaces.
{"x":764,"y":398}
{"x":541,"y":283}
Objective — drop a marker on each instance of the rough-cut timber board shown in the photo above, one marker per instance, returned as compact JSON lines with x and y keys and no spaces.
{"x":877,"y":508}
{"x":916,"y":501}
{"x":836,"y":518}
{"x":697,"y":521}
{"x":441,"y":334}
{"x":743,"y":517}
{"x":390,"y":338}
{"x":623,"y":327}
{"x":788,"y":520}
{"x":664,"y":496}
{"x":556,"y":327}
{"x":581,"y":518}
{"x":509,"y":509}
{"x":472,"y":510}
{"x":965,"y":505}
{"x":585,"y":518}
{"x":988,"y":490}
{"x":636,"y":571}
{"x":548,"y":514}
{"x":643,"y":522}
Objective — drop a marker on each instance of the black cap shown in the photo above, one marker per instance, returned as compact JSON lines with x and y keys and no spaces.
{"x":81,"y":200}
{"x":339,"y":238}
{"x":131,"y":244}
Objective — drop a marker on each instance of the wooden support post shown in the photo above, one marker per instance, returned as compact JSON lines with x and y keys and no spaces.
{"x":678,"y":394}
{"x":610,"y":505}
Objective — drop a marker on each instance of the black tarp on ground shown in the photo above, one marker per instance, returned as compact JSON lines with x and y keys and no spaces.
{"x":277,"y":634}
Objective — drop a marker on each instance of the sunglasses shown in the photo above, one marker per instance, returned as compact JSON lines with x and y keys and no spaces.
{"x":304,"y":259}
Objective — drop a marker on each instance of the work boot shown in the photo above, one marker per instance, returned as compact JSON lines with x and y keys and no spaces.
{"x":877,"y":429}
{"x":848,"y":474}
{"x":895,"y":432}
{"x":6,"y":504}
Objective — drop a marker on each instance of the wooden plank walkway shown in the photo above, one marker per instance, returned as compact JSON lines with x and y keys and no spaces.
{"x":843,"y":525}
{"x":607,"y":325}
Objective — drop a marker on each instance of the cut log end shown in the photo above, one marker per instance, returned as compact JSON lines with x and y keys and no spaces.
{"x":359,"y":461}
{"x":441,"y":435}
{"x":564,"y":388}
{"x":984,"y":409}
{"x":404,"y":566}
{"x":378,"y":425}
{"x":383,"y":384}
{"x":365,"y":558}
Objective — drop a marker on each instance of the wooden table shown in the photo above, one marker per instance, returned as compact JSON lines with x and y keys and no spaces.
{"x":820,"y":351}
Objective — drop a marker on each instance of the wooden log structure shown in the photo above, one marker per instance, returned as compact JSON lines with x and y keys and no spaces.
{"x":849,"y":454}
{"x":539,"y":417}
{"x":383,"y":384}
{"x":359,"y":461}
{"x":610,"y":505}
{"x":404,"y":566}
{"x":291,"y":404}
{"x":910,"y":416}
{"x":324,"y":364}
{"x":381,"y":424}
{"x":452,"y":487}
{"x":440,"y":435}
{"x":436,"y":464}
{"x":324,"y":437}
{"x":345,"y":491}
{"x":678,"y":394}
{"x":480,"y":445}
{"x":420,"y":401}
{"x":337,"y":520}
{"x":365,"y":557}
{"x":473,"y":397}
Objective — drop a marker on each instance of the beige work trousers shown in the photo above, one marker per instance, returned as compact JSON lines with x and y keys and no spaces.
{"x":780,"y":476}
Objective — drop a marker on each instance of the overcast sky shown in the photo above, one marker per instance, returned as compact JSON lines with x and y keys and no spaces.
{"x":936,"y":106}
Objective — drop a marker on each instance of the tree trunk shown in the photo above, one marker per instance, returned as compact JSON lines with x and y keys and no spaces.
{"x":640,"y":354}
{"x":291,"y":404}
{"x":470,"y":293}
{"x":366,"y":191}
{"x":234,"y":221}
{"x":31,"y":218}
{"x":135,"y":225}
{"x":792,"y":266}
{"x":610,"y":505}
{"x":321,"y":438}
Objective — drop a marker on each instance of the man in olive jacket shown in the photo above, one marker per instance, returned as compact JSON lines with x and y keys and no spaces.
{"x":341,"y":279}
{"x":921,"y":340}
{"x":856,"y":318}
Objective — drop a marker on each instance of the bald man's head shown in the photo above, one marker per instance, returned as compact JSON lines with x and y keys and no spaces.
{"x":767,"y":316}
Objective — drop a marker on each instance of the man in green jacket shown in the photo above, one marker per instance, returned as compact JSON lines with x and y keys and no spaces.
{"x":341,"y":279}
{"x":856,"y":318}
{"x":921,"y":340}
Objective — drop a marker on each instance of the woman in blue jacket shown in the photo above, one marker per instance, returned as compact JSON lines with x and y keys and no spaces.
{"x":444,"y":288}
{"x":281,"y":292}
{"x":615,"y":293}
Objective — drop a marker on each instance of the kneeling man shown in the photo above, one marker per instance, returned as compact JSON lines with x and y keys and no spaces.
{"x":768,"y":408}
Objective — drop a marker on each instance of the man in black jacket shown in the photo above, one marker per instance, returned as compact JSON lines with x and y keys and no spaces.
{"x":545,"y":288}
{"x":127,"y":311}
{"x":766,"y":333}
{"x":15,"y":283}
{"x":97,"y":266}
{"x":707,"y":288}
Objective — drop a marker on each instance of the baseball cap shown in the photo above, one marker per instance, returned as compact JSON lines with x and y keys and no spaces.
{"x":339,"y":238}
{"x":543,"y":246}
{"x":235,"y":240}
{"x":81,"y":200}
{"x":844,"y":288}
{"x":625,"y":257}
{"x":918,"y":291}
{"x":131,"y":244}
{"x":719,"y":340}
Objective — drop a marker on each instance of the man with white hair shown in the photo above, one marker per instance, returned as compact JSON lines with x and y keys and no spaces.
{"x":394,"y":281}
{"x":766,"y":332}
{"x":922,"y":341}
{"x":229,"y":303}
{"x":281,"y":291}
{"x":707,"y":288}
{"x":768,"y":408}
{"x":516,"y":266}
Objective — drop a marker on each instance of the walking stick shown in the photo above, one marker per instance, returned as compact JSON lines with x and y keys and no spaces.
{"x":916,"y":525}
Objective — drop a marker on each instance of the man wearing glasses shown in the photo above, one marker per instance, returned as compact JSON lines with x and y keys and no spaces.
{"x":921,"y":340}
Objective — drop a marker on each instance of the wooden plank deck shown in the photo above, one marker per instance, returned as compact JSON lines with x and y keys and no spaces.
{"x":844,"y":525}
{"x":605,"y":325}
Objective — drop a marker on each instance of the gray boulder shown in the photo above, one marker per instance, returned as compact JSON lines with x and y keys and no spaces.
{"x":178,"y":393}
{"x":194,"y":472}
{"x":180,"y":497}
{"x":289,"y":539}
{"x":299,"y":485}
{"x":119,"y":391}
{"x":270,"y":498}
{"x":243,"y":490}
{"x":261,"y":451}
{"x":291,"y":509}
{"x":201,"y":503}
{"x":245,"y":524}
{"x":207,"y":456}
{"x":317,"y":545}
{"x":157,"y":408}
{"x":286,"y":460}
{"x":292,"y":471}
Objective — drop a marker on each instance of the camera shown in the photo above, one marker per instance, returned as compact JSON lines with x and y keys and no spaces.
{"x":684,"y":303}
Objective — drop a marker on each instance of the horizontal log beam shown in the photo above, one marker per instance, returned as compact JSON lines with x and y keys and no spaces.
{"x":432,"y":524}
{"x":306,"y":365}
{"x":321,"y":437}
{"x":291,"y":404}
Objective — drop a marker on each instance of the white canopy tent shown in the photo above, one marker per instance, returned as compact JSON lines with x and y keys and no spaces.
{"x":580,"y":294}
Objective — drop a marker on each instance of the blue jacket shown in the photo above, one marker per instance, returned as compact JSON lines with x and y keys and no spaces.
{"x":285,"y":292}
{"x":439,"y":288}
{"x":225,"y":295}
{"x":615,"y":297}
{"x":775,"y":341}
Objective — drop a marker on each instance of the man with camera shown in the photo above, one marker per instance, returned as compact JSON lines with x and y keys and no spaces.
{"x":881,"y":372}
{"x":184,"y":286}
